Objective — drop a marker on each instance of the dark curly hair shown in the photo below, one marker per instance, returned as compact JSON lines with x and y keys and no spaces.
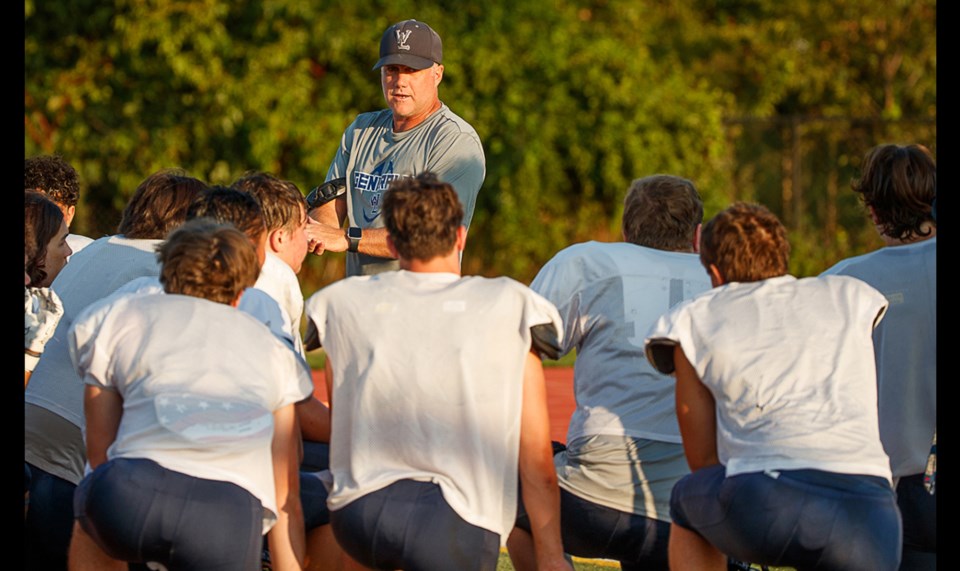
{"x":898,"y":183}
{"x":53,"y":176}
{"x":746,"y":242}
{"x":208,"y":260}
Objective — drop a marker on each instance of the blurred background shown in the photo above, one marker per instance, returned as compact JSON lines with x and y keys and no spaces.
{"x":759,"y":100}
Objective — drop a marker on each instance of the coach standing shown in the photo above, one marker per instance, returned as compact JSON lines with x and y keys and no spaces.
{"x":417,"y":133}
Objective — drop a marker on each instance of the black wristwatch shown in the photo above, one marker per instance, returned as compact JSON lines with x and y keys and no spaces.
{"x":354,"y":233}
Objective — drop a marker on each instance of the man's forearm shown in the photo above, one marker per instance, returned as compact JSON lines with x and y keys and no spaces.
{"x":323,"y":237}
{"x":314,"y":419}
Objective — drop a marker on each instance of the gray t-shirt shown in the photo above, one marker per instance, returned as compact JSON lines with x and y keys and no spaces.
{"x":906,"y":347}
{"x":371,"y":155}
{"x":623,"y":442}
{"x":608,"y":296}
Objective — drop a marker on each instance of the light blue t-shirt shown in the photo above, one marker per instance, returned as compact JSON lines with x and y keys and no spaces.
{"x":906,"y":347}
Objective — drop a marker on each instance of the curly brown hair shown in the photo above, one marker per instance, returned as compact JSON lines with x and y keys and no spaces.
{"x":746,"y":242}
{"x":42,"y":219}
{"x":422,"y":215}
{"x":899,"y":183}
{"x":53,"y":176}
{"x":208,"y":260}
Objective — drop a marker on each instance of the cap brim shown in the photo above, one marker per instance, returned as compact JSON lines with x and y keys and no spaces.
{"x":411,"y":61}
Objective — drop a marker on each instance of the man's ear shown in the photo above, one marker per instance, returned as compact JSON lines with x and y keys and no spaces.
{"x":276,"y":239}
{"x":461,"y":238}
{"x":68,"y":214}
{"x":438,"y":71}
{"x":716,"y":278}
{"x":696,"y":238}
{"x":236,"y":300}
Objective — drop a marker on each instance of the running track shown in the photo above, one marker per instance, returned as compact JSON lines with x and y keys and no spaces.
{"x":559,"y":397}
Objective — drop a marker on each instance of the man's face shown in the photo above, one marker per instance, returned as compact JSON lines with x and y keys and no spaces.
{"x":410,"y":93}
{"x":57,"y":253}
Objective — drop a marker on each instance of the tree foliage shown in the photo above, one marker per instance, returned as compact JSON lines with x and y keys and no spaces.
{"x":751,"y":99}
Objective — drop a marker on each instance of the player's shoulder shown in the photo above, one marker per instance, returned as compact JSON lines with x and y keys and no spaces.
{"x":843,"y":282}
{"x":368,"y":119}
{"x":348,"y":287}
{"x":847,"y":265}
{"x":447,"y":122}
{"x":498,"y":283}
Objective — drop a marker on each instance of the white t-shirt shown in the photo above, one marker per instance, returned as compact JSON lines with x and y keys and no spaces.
{"x":256,"y":302}
{"x":280,"y":282}
{"x":790,"y":365}
{"x":199,"y":380}
{"x":427,"y":385}
{"x":906,"y":345}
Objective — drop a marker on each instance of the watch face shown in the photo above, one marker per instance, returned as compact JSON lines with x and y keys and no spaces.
{"x":354,"y":232}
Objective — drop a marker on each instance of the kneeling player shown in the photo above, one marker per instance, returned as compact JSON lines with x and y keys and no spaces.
{"x":437,"y":394}
{"x":189,"y":418}
{"x":777,"y":405}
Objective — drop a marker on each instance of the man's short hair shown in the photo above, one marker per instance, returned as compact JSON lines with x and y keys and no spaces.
{"x":746,"y":242}
{"x":42,"y":219}
{"x":159,"y":205}
{"x":208,"y":260}
{"x":662,"y":211}
{"x":282,"y":203}
{"x":228,"y":205}
{"x":53,"y":176}
{"x":899,"y":183}
{"x":422,"y":215}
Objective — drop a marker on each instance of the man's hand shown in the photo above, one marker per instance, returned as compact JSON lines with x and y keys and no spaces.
{"x":322,"y":237}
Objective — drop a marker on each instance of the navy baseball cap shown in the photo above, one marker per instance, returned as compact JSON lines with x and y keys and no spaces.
{"x":410,"y":43}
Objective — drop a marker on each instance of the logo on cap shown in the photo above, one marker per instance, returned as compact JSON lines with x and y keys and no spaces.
{"x":402,"y":36}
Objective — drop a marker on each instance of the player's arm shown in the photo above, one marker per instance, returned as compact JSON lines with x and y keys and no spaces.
{"x":538,"y":478}
{"x":696,"y":414}
{"x":328,"y":380}
{"x":314,"y":417}
{"x":102,"y":410}
{"x":287,"y":538}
